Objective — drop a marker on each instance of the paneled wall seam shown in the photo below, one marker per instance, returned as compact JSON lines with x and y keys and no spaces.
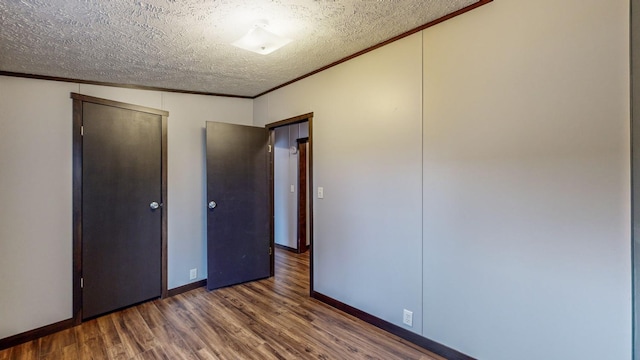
{"x":635,"y":341}
{"x":422,"y":127}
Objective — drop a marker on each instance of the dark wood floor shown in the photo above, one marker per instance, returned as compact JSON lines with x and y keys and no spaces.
{"x":268,"y":319}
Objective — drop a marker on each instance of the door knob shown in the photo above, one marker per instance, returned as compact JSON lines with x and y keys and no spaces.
{"x":212,"y":205}
{"x":154,"y":205}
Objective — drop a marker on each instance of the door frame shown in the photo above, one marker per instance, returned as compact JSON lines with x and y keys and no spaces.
{"x":78,"y":100}
{"x":271,"y":127}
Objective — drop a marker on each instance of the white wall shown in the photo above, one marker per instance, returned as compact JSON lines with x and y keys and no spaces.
{"x":35,"y":204}
{"x":367,"y":156}
{"x":526,"y":181}
{"x":36,"y":192}
{"x":511,"y":124}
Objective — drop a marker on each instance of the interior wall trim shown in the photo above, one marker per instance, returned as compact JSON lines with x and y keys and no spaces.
{"x":308,"y":117}
{"x":126,"y":86}
{"x":96,"y":100}
{"x":153,"y":88}
{"x":188,"y":287}
{"x":635,"y":174}
{"x":290,"y":121}
{"x":286,"y":248}
{"x":34,"y":334}
{"x":386,"y":42}
{"x":434,"y":347}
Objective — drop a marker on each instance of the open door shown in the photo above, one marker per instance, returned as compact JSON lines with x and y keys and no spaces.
{"x":238,"y":215}
{"x":303,"y":197}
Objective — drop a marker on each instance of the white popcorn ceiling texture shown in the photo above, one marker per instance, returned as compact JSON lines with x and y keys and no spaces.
{"x":186,"y":44}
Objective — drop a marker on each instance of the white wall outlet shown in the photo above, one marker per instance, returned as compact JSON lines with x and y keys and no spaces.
{"x":193,"y":273}
{"x":320,"y":192}
{"x":407,"y":317}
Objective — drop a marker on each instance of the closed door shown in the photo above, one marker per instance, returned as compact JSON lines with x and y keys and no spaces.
{"x":238,"y":216}
{"x":121,"y":207}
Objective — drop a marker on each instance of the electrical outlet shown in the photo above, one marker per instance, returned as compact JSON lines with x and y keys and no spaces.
{"x":407,"y":317}
{"x":193,"y":273}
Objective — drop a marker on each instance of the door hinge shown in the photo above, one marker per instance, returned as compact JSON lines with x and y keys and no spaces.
{"x":270,"y":250}
{"x":81,"y":130}
{"x":269,"y":148}
{"x":81,"y":283}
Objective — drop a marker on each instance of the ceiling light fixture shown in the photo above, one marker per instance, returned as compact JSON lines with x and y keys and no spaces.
{"x":260,"y":40}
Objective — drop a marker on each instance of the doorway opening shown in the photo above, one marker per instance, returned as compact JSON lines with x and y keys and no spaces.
{"x":291,"y":186}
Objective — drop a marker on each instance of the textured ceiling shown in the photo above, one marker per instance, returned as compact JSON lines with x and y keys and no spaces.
{"x":186,"y":44}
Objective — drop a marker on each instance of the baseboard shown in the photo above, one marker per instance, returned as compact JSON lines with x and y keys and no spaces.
{"x":283,"y":247}
{"x":35,"y":334}
{"x":423,"y":342}
{"x":188,"y":287}
{"x":69,"y":323}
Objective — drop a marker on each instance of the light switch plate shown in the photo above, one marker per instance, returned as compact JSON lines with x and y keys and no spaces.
{"x":320,"y":192}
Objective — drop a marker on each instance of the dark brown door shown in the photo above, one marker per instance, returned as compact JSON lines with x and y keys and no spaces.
{"x":121,"y":226}
{"x":238,"y":226}
{"x":303,"y":187}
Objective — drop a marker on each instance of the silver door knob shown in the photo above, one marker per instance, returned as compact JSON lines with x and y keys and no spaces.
{"x":154,"y":205}
{"x":212,"y":205}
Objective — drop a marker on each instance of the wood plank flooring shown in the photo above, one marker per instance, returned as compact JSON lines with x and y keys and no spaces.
{"x":268,"y":319}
